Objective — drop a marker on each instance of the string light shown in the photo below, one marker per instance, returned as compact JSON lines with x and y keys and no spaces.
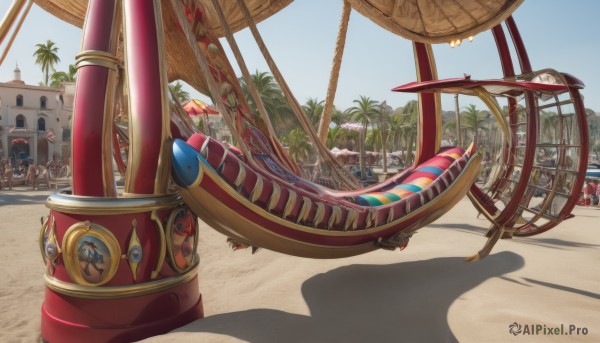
{"x":454,"y":43}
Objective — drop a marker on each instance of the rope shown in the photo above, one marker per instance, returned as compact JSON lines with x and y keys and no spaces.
{"x":205,"y":70}
{"x":15,"y":32}
{"x":251,"y":86}
{"x":302,"y":117}
{"x":335,"y":73}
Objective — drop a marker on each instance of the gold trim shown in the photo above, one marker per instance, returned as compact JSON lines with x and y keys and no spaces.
{"x":163,"y":244}
{"x":198,"y":178}
{"x":239,"y":180}
{"x":291,"y":202}
{"x":274,"y":200}
{"x":41,"y":238}
{"x":320,"y":214}
{"x":351,"y":220}
{"x":257,"y":190}
{"x":304,"y":210}
{"x":71,"y":258}
{"x":117,"y":292}
{"x":169,"y":247}
{"x":163,"y":168}
{"x":97,"y":58}
{"x":336,"y":213}
{"x":134,"y":242}
{"x":5,"y":26}
{"x":494,"y":108}
{"x":74,"y":204}
{"x":372,"y":218}
{"x":9,"y":17}
{"x":204,"y":149}
{"x":50,"y":262}
{"x":390,"y":216}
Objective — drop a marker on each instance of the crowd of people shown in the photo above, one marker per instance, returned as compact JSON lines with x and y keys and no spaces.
{"x":29,"y":173}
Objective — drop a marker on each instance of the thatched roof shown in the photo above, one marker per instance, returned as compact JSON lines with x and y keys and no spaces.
{"x":428,"y":21}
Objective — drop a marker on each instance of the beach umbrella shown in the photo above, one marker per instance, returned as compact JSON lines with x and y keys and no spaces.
{"x":197,"y":108}
{"x":353,"y":126}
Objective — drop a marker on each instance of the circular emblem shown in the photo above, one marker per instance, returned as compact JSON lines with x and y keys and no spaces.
{"x":91,"y":254}
{"x":182,"y":238}
{"x":50,"y":250}
{"x":135,"y":254}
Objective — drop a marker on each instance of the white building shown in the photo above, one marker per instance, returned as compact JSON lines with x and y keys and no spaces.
{"x":34,"y":121}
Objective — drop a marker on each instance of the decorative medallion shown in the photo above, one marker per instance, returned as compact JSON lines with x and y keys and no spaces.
{"x":49,"y":244}
{"x":182,"y":238}
{"x":91,"y":254}
{"x":44,"y":233}
{"x":134,"y":253}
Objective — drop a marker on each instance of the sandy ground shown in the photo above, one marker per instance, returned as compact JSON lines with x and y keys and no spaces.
{"x":425,"y":293}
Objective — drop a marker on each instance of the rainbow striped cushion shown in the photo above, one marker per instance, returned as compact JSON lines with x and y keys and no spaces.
{"x":421,"y":178}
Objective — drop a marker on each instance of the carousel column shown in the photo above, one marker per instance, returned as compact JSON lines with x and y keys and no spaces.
{"x":149,"y":154}
{"x":119,"y":269}
{"x":430,"y":119}
{"x":97,"y":75}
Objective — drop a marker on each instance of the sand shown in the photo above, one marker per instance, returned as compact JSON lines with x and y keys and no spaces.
{"x":425,"y":293}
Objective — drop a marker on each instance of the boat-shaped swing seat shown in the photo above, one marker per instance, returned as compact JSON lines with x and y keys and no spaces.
{"x":300,"y":206}
{"x":425,"y":181}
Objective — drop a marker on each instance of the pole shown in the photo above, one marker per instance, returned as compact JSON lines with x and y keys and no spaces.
{"x":458,"y":137}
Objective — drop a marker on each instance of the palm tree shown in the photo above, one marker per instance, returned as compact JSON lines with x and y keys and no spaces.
{"x":339,"y":137}
{"x":313,"y":109}
{"x":46,"y":56}
{"x":383,"y":122}
{"x":273,"y":99}
{"x":299,"y":145}
{"x":549,"y":126}
{"x":365,"y":111}
{"x":395,"y":130}
{"x":338,"y":117}
{"x":450,"y":127}
{"x":409,"y":132}
{"x":179,"y":92}
{"x":62,"y":76}
{"x":473,"y":119}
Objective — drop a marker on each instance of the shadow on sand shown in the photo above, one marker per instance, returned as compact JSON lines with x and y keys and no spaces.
{"x":8,"y":198}
{"x":368,"y":303}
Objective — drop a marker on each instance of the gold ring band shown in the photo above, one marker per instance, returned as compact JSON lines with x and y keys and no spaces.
{"x":116,"y":292}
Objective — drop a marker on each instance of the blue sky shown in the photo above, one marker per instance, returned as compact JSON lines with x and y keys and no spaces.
{"x":564,"y":35}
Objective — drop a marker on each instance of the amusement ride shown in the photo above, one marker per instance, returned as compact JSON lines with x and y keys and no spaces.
{"x":136,"y":250}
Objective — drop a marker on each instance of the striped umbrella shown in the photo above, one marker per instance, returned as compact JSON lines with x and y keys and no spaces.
{"x":196,"y":108}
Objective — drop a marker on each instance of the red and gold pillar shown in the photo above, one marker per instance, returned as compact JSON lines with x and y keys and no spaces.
{"x":119,"y":267}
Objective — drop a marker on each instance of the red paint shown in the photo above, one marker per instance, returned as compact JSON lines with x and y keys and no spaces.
{"x":69,"y":319}
{"x":87,"y":131}
{"x":503,"y":51}
{"x":97,"y":27}
{"x":88,"y":112}
{"x":146,"y":92}
{"x":427,"y":121}
{"x":519,"y":45}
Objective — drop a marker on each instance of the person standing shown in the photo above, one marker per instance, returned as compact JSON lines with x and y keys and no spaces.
{"x":587,"y":193}
{"x":32,"y":175}
{"x":8,"y":173}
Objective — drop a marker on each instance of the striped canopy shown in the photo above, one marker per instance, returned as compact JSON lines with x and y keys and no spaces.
{"x":196,"y":108}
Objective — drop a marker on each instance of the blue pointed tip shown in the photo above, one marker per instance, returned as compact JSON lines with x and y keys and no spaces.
{"x":185,"y":163}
